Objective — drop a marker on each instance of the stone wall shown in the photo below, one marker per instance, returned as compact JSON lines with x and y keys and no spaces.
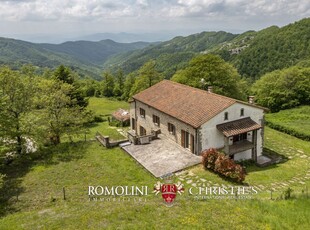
{"x":147,"y":122}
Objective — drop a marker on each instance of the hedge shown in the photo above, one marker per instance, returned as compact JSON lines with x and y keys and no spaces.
{"x":289,"y":131}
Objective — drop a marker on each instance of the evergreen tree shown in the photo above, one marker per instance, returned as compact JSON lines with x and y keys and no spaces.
{"x":108,"y":84}
{"x":65,"y":75}
{"x":146,"y":77}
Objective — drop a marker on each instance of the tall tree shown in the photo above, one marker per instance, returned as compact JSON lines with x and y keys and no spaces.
{"x":60,"y":113}
{"x":16,"y":95}
{"x":215,"y":72}
{"x":146,"y":77}
{"x":283,"y":89}
{"x":108,"y":84}
{"x":119,"y":83}
{"x":128,"y":84}
{"x":65,"y":75}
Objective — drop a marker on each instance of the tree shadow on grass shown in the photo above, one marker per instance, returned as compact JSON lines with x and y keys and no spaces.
{"x":63,"y":152}
{"x":12,"y":187}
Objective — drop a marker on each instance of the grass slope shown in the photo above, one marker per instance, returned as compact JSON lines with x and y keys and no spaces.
{"x":32,"y":197}
{"x":297,"y":119}
{"x":104,"y":107}
{"x":40,"y":204}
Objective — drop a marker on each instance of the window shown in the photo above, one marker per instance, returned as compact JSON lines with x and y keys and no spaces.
{"x":240,"y":137}
{"x":171,"y":128}
{"x":225,"y":116}
{"x":156,"y":120}
{"x":142,"y":131}
{"x":242,"y":112}
{"x":142,"y":112}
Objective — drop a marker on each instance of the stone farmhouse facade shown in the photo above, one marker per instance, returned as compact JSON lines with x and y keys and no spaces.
{"x":197,"y":119}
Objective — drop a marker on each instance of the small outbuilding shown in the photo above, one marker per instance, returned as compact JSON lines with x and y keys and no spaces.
{"x":122,"y":116}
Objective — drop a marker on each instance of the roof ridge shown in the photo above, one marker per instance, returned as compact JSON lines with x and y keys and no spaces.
{"x":218,"y":95}
{"x":201,"y":90}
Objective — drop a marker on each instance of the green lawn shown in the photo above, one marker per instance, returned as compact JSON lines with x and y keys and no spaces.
{"x":32,"y":197}
{"x":39,"y":183}
{"x":297,"y":165}
{"x":39,"y":186}
{"x":104,"y":107}
{"x":297,"y":119}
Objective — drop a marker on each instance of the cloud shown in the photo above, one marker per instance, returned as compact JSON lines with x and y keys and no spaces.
{"x":91,"y":16}
{"x":32,"y":10}
{"x":209,"y":8}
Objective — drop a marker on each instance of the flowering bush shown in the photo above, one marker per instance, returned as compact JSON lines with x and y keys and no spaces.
{"x":222,"y":164}
{"x":209,"y":157}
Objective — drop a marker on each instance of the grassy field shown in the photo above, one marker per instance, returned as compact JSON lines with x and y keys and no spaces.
{"x":104,"y":107}
{"x":295,"y":120}
{"x":32,"y":197}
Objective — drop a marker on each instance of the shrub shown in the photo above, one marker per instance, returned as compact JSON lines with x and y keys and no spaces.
{"x":287,"y":193}
{"x":209,"y":157}
{"x":222,"y":164}
{"x":98,"y":119}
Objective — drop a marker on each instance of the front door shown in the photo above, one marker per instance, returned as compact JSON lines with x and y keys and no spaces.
{"x":133,"y":124}
{"x":187,"y":140}
{"x":142,"y":131}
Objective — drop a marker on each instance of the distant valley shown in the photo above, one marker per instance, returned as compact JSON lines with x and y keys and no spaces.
{"x":253,"y":53}
{"x":85,"y":57}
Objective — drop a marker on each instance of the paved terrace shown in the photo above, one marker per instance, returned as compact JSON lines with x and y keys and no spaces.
{"x":162,"y":156}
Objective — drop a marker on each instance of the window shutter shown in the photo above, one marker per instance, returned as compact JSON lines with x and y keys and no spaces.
{"x":183,"y":138}
{"x":192,"y":143}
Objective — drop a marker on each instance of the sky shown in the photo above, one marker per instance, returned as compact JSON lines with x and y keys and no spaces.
{"x":65,"y":19}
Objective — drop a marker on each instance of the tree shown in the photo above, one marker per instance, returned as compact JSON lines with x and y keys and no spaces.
{"x":215,"y":72}
{"x":147,"y":76}
{"x":60,"y":113}
{"x":65,"y":75}
{"x":283,"y":89}
{"x":119,"y":83}
{"x":129,"y":82}
{"x":108,"y":84}
{"x":16,"y":96}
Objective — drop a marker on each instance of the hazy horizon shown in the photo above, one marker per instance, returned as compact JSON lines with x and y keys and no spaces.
{"x":57,"y":21}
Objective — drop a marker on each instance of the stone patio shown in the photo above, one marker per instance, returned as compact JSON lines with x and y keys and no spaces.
{"x":162,"y":156}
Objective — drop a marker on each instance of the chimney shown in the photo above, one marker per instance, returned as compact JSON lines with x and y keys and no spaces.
{"x":251,"y":99}
{"x":210,"y":89}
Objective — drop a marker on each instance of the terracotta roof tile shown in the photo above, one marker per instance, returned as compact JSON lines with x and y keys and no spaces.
{"x":121,"y":115}
{"x":238,"y":126}
{"x":190,"y":105}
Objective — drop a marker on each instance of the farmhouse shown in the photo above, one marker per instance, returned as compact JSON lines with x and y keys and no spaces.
{"x":197,"y":119}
